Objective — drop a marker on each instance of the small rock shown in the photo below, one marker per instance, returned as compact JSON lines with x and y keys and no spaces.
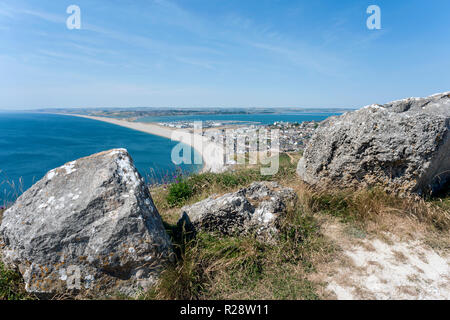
{"x":252,"y":210}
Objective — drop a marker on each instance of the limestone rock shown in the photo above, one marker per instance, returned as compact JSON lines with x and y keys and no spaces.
{"x":254,"y":209}
{"x":403,"y":146}
{"x":89,"y":225}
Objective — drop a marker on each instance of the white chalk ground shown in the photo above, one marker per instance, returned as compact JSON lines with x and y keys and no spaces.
{"x":391,"y":269}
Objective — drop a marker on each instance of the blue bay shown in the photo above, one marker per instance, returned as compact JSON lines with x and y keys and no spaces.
{"x":32,"y":144}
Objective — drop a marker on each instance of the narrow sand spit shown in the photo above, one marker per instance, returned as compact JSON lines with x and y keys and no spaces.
{"x":212,"y":153}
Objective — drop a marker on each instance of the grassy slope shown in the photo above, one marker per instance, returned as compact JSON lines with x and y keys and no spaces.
{"x":11,"y":282}
{"x":217,"y":267}
{"x":11,"y":285}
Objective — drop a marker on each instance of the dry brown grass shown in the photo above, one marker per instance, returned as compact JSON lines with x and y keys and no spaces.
{"x":374,"y":206}
{"x":12,"y":286}
{"x":218,"y":267}
{"x":375,"y":212}
{"x":207,"y":184}
{"x":313,"y":235}
{"x":288,"y":270}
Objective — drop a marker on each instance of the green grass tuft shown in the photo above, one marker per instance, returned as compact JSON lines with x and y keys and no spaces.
{"x":371,"y":205}
{"x":212,"y":266}
{"x":11,"y":285}
{"x":178,"y":193}
{"x":199,"y":186}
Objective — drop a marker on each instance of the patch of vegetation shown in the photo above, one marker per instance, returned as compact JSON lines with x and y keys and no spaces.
{"x":337,"y":205}
{"x":289,"y":287}
{"x":199,"y":186}
{"x":363,"y":206}
{"x":203,"y":257}
{"x":212,"y":266}
{"x":442,"y":199}
{"x":353,"y":206}
{"x":2,"y":209}
{"x":179,"y":192}
{"x":355,"y":232}
{"x":11,"y":285}
{"x":444,"y":203}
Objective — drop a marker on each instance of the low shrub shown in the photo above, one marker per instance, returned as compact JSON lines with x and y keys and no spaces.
{"x":206,"y":257}
{"x":371,"y":204}
{"x":179,"y":192}
{"x":212,"y":266}
{"x":201,"y":185}
{"x":2,"y":209}
{"x":11,"y":285}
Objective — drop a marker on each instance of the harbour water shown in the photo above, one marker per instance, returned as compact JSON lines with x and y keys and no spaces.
{"x":263,"y":118}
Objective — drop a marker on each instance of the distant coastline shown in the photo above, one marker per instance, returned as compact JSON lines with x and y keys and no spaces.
{"x":136,"y":113}
{"x":211,"y":161}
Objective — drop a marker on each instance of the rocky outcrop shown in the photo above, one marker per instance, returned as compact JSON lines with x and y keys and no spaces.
{"x":252,"y":210}
{"x":89,"y":225}
{"x":403,"y":146}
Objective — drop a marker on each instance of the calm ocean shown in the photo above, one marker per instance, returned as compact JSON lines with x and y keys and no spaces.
{"x":268,"y":118}
{"x":32,"y":144}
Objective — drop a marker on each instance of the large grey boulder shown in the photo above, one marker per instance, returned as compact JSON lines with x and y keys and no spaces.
{"x":403,"y":146}
{"x":89,"y":225}
{"x":252,"y":210}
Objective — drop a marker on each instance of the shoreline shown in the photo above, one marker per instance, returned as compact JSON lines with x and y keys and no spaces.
{"x":212,"y":161}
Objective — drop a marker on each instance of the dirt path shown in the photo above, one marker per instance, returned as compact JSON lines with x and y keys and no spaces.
{"x":291,"y":157}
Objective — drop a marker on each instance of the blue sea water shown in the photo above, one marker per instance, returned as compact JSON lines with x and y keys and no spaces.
{"x":32,"y":144}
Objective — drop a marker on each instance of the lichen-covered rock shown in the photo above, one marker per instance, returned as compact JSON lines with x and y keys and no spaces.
{"x":89,"y":225}
{"x":403,"y":146}
{"x":252,"y":210}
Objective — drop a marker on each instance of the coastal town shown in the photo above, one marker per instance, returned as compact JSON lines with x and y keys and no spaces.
{"x":292,"y":136}
{"x":224,"y":144}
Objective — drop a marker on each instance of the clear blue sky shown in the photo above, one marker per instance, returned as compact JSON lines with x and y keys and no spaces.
{"x":230,"y":53}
